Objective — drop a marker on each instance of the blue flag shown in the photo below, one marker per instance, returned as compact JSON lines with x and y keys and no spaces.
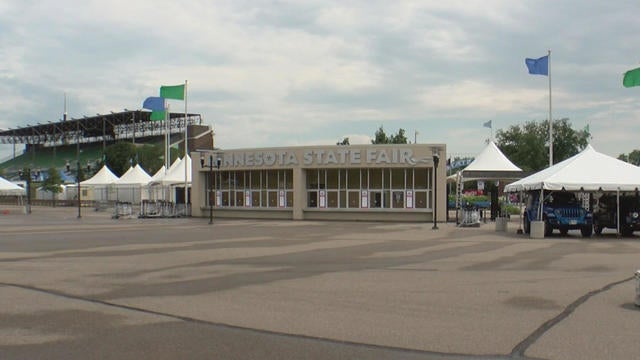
{"x":154,"y":103}
{"x":538,"y":66}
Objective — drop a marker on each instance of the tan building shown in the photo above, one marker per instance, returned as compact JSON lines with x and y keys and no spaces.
{"x":353,"y":182}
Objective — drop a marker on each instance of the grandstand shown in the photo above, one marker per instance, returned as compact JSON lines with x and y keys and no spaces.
{"x":62,"y":143}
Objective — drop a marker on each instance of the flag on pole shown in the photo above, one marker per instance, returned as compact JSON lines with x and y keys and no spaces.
{"x":631,"y":78}
{"x":487,"y":124}
{"x":539,"y":66}
{"x":158,"y":115}
{"x":175,"y":92}
{"x":153,"y":103}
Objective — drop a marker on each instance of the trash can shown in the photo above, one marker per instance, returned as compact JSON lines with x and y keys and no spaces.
{"x":637,"y":287}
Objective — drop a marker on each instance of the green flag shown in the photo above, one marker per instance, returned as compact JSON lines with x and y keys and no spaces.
{"x":172,"y":92}
{"x":158,"y":115}
{"x":631,"y":78}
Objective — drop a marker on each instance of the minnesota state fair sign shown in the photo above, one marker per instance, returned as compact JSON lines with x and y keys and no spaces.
{"x":320,"y":157}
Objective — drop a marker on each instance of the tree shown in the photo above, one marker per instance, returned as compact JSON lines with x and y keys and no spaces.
{"x":150,"y":157}
{"x":119,"y":157}
{"x":344,"y":141}
{"x":53,"y":183}
{"x":632,"y":158}
{"x":526,"y":145}
{"x":382,"y":138}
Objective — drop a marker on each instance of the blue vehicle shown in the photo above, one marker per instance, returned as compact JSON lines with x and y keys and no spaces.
{"x":561,"y":210}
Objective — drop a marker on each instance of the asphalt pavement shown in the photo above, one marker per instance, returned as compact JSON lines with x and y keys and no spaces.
{"x":100,"y":288}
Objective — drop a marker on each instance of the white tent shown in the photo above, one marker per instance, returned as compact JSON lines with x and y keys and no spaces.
{"x":176,"y":173}
{"x":589,"y":170}
{"x":129,"y":186}
{"x":159,"y":174}
{"x":164,"y":187}
{"x":490,"y":164}
{"x":100,"y":186}
{"x":9,"y":188}
{"x":102,"y":177}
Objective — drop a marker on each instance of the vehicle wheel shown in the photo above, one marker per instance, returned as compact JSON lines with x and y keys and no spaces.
{"x":586,"y":231}
{"x":564,"y":231}
{"x":597,"y":229}
{"x":626,"y":231}
{"x":527,"y":225}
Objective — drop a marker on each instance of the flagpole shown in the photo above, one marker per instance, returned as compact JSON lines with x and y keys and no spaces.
{"x":186,"y":148}
{"x":550,"y":117}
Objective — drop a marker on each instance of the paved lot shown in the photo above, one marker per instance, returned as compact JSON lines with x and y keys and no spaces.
{"x":246,"y":289}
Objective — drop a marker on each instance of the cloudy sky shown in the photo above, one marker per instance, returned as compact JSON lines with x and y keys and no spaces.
{"x":285,"y":73}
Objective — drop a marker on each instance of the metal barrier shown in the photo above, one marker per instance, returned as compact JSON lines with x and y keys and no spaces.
{"x":122,"y":209}
{"x":162,"y":208}
{"x":470,"y":217}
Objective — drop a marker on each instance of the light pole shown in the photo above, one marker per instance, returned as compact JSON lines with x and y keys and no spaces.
{"x":210,"y":166}
{"x":78,"y":182}
{"x":26,"y":176}
{"x":436,"y":161}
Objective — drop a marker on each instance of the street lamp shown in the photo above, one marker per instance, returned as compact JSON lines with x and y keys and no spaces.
{"x":210,"y":166}
{"x":78,"y":182}
{"x":436,"y":161}
{"x":26,"y":176}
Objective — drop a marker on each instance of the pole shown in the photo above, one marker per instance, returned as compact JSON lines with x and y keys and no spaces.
{"x":186,"y":148}
{"x":210,"y":188}
{"x":436,"y":160}
{"x":28,"y":191}
{"x":78,"y":163}
{"x":78,"y":181}
{"x":550,"y":117}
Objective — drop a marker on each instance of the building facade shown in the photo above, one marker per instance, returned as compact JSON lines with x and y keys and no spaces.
{"x":355,"y":182}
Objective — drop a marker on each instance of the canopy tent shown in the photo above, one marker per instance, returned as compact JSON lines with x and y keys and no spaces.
{"x":176,"y":173}
{"x":102,"y":177}
{"x":9,"y":188}
{"x":170,"y":185}
{"x":99,"y":186}
{"x":129,"y":187}
{"x":134,"y":176}
{"x":587,"y":171}
{"x":159,"y":174}
{"x":490,"y":164}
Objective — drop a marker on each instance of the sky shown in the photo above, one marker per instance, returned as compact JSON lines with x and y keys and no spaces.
{"x":292,"y":73}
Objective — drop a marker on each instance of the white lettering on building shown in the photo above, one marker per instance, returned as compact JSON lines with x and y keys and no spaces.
{"x":319,"y":157}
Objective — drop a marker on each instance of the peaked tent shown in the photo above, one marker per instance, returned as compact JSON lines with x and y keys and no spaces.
{"x":129,"y":186}
{"x":102,"y":177}
{"x":100,"y":184}
{"x":159,"y":174}
{"x":9,"y":188}
{"x":167,"y":186}
{"x":491,"y":164}
{"x":588,"y":170}
{"x":175,"y":174}
{"x":134,"y":176}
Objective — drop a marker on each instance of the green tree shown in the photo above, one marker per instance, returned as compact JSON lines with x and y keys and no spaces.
{"x":399,"y":138}
{"x":632,"y":158}
{"x":119,"y":156}
{"x":150,"y":157}
{"x":53,"y":183}
{"x":526,"y":145}
{"x":381,"y":137}
{"x":344,"y":141}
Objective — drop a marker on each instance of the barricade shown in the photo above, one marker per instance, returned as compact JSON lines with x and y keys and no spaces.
{"x":470,"y":217}
{"x":122,"y":209}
